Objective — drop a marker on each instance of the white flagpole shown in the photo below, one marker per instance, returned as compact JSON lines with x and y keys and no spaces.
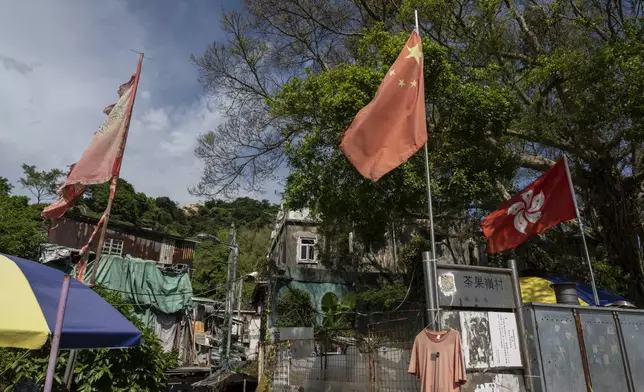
{"x":583,"y":235}
{"x":430,"y":273}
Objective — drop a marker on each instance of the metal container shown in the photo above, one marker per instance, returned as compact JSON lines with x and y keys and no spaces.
{"x":566,"y":293}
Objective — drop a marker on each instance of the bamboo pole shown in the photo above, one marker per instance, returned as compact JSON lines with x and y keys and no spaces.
{"x":115,"y":177}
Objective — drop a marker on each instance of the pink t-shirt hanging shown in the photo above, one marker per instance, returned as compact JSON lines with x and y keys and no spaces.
{"x":437,"y":360}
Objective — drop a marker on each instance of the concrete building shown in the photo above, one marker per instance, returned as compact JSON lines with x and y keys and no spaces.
{"x":295,"y":239}
{"x":297,"y":242}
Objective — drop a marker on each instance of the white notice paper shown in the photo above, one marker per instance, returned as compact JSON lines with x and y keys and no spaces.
{"x":504,"y":339}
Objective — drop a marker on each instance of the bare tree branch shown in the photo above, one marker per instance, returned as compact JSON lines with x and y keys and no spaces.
{"x":535,"y":162}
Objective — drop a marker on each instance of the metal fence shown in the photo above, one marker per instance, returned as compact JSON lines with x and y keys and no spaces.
{"x":367,"y":357}
{"x":571,"y":348}
{"x":585,"y":349}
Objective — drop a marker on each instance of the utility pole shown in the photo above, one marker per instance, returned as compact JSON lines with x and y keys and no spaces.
{"x":231,"y":277}
{"x":230,"y":295}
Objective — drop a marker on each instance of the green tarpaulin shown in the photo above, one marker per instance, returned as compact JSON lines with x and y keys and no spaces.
{"x":143,"y":284}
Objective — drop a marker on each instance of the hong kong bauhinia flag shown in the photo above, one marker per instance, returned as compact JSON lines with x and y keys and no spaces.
{"x":544,"y":203}
{"x":391,"y":128}
{"x":102,"y":159}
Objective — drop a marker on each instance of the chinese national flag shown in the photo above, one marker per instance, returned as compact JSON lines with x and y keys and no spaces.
{"x":391,"y":128}
{"x":544,"y":203}
{"x":101,"y":160}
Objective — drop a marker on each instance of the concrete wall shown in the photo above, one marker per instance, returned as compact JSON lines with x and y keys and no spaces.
{"x":253,"y":327}
{"x":292,"y":233}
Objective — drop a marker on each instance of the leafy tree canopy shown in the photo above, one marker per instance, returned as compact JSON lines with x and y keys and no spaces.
{"x":43,"y":185}
{"x":295,"y":309}
{"x":510,"y":87}
{"x":128,"y":205}
{"x":5,"y":187}
{"x":20,"y":227}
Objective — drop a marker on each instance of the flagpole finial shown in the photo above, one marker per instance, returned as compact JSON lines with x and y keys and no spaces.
{"x":416,"y":17}
{"x":141,"y":54}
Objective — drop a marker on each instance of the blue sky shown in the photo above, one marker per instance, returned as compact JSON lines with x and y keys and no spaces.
{"x":62,"y":61}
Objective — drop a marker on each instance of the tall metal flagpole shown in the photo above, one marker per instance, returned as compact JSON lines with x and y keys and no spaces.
{"x":583,"y":235}
{"x":431,"y":293}
{"x":115,"y":177}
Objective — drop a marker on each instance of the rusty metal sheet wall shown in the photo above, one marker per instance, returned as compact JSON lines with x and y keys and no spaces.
{"x":167,"y":251}
{"x":75,"y":234}
{"x":137,"y":246}
{"x":603,"y":351}
{"x":184,"y":252}
{"x":633,"y":328}
{"x":560,"y":355}
{"x":70,"y":233}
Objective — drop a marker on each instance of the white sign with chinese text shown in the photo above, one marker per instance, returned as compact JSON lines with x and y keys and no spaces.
{"x":505,"y":340}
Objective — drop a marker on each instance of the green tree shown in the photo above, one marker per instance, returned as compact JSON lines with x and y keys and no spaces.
{"x":170,"y":209}
{"x":164,"y":215}
{"x":43,"y":185}
{"x":211,"y":268}
{"x":338,"y":314}
{"x":140,"y":369}
{"x":295,"y":309}
{"x":509,"y":88}
{"x":211,"y":262}
{"x":20,"y":227}
{"x":5,"y":187}
{"x":243,"y":212}
{"x":128,"y":205}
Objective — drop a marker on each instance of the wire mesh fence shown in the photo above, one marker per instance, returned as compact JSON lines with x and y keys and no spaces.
{"x":371,"y":355}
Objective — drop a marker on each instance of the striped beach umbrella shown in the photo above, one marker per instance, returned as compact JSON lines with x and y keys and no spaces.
{"x":29,"y":301}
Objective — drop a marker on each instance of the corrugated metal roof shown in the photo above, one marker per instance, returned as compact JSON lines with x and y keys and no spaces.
{"x":126,"y":228}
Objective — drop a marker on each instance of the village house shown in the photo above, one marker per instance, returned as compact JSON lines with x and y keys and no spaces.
{"x":296,"y":242}
{"x":73,"y":231}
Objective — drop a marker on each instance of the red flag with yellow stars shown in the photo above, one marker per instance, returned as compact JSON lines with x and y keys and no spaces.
{"x":392,"y":127}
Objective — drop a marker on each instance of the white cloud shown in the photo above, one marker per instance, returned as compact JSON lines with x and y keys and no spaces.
{"x":161,"y":146}
{"x":62,"y":62}
{"x":48,"y":114}
{"x":155,"y":119}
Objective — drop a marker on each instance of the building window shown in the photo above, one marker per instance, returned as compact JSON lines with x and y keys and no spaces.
{"x":306,"y":250}
{"x":113,"y":246}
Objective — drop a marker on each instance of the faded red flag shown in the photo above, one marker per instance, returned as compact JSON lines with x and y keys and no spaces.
{"x":101,"y":160}
{"x":392,"y":127}
{"x":544,"y":203}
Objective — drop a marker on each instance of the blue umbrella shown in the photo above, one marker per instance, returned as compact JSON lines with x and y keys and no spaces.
{"x":37,"y":301}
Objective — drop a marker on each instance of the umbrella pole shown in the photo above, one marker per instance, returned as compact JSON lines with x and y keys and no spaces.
{"x":55,"y":341}
{"x":69,"y":371}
